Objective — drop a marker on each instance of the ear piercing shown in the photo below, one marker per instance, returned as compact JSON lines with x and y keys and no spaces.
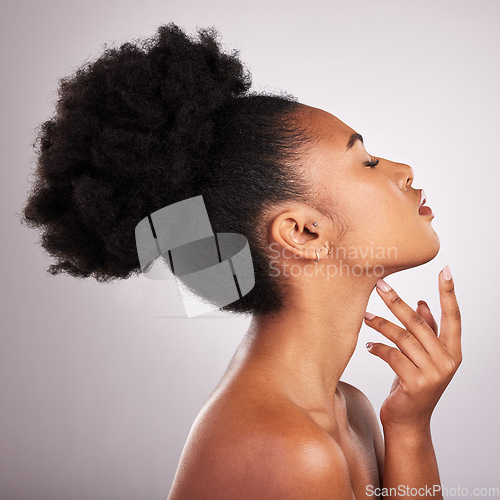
{"x":317,"y":254}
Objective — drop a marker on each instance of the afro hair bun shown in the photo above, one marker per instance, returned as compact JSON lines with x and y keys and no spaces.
{"x":119,"y":121}
{"x":145,"y":125}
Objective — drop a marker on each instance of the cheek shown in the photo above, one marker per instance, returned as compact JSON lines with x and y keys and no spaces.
{"x":368,"y":206}
{"x":376,"y":217}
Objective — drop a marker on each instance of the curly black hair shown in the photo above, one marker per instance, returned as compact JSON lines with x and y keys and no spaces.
{"x":154,"y":122}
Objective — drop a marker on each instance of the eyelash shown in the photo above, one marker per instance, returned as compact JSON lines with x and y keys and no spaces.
{"x":372,"y":163}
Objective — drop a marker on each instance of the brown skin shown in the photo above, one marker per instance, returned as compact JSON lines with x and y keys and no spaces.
{"x":281,"y":424}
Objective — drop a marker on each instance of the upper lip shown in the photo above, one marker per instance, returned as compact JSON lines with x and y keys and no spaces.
{"x":423,"y":199}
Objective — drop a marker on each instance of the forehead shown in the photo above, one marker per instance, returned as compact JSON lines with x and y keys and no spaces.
{"x":327,"y":126}
{"x":331,"y":132}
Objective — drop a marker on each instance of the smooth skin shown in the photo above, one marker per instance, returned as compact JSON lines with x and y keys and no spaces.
{"x":281,"y":424}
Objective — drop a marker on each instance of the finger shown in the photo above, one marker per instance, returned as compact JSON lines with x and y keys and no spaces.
{"x":412,"y":320}
{"x":424,"y":311}
{"x":406,"y":342}
{"x":401,"y":365}
{"x":451,"y":323}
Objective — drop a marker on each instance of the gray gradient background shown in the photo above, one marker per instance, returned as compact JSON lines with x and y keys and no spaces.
{"x":99,"y":384}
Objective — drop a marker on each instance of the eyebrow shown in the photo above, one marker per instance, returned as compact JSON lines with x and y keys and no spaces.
{"x":353,"y":139}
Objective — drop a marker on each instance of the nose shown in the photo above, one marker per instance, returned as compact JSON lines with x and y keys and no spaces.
{"x":404,"y":175}
{"x":401,"y":173}
{"x":409,"y":176}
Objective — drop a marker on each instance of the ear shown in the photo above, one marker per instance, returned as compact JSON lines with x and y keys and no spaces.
{"x":293,"y":230}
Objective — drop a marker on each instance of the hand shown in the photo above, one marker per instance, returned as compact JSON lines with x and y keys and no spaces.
{"x":425,"y":362}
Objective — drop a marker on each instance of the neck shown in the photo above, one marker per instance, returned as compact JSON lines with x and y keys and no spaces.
{"x":306,"y":347}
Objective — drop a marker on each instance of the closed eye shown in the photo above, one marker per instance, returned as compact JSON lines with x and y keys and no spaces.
{"x":372,"y":163}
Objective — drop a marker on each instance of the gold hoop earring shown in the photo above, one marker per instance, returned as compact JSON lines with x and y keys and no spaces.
{"x":329,"y":250}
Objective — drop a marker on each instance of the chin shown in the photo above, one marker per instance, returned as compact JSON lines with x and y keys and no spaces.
{"x":417,"y":255}
{"x":425,"y":248}
{"x":433,"y":247}
{"x":426,"y":251}
{"x":429,"y":251}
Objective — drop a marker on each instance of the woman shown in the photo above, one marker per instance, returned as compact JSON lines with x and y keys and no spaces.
{"x":156,"y":122}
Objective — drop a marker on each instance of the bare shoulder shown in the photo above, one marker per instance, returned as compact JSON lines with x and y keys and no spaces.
{"x":363,"y":416}
{"x":357,"y":401}
{"x":360,"y":410}
{"x":267,"y":452}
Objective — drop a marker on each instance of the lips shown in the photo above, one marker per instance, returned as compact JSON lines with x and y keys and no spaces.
{"x":422,"y":208}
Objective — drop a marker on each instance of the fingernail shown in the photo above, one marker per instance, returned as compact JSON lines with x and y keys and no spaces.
{"x":368,"y":345}
{"x":382,"y":285}
{"x":421,"y":302}
{"x":447,"y":273}
{"x":369,"y":315}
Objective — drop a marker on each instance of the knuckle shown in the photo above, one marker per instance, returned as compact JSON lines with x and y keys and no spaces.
{"x":419,"y":384}
{"x":449,"y":366}
{"x":392,"y":353}
{"x":381,"y":322}
{"x":403,"y":335}
{"x":416,"y":319}
{"x":453,"y":314}
{"x":396,"y":299}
